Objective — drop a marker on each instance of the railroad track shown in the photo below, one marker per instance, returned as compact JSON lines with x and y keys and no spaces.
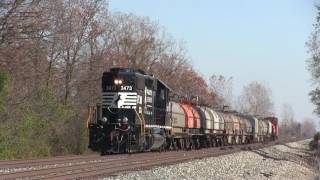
{"x":95,"y":166}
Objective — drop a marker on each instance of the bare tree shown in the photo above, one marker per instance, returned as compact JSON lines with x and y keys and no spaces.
{"x":19,"y":21}
{"x":308,"y":128}
{"x":23,"y":30}
{"x":256,"y":99}
{"x":223,"y":88}
{"x":287,"y":114}
{"x":132,"y":41}
{"x":290,"y":127}
{"x":75,"y":23}
{"x":287,"y":120}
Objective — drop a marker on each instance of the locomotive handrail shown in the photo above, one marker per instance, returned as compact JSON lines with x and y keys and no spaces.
{"x":91,"y":110}
{"x":142,"y":129}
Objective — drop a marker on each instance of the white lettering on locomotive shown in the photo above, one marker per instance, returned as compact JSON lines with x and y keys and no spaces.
{"x":148,"y":96}
{"x":148,"y":92}
{"x":122,"y":88}
{"x":111,"y":88}
{"x":149,"y":100}
{"x":139,"y":99}
{"x":126,"y":88}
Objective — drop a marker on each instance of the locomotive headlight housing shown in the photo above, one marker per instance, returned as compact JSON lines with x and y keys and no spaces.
{"x":104,"y":120}
{"x":117,"y":81}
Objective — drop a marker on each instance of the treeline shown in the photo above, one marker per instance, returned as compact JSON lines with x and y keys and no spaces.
{"x":291,"y":127}
{"x":66,"y":45}
{"x":52,"y":56}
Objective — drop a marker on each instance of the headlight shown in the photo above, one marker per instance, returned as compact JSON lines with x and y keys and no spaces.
{"x":104,"y":119}
{"x":125,"y":120}
{"x":117,"y":81}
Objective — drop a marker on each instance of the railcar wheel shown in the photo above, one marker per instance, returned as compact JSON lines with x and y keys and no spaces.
{"x":210,"y":143}
{"x":181,"y":144}
{"x":197,"y":143}
{"x":214,"y":143}
{"x":171,"y":145}
{"x":189,"y":144}
{"x":193,"y":144}
{"x":224,"y":142}
{"x":175,"y":144}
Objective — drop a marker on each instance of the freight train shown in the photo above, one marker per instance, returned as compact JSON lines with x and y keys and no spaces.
{"x":136,"y":114}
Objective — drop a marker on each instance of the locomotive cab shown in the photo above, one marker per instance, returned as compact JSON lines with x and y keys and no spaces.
{"x":132,"y":113}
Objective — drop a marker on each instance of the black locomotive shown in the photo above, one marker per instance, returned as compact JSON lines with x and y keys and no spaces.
{"x":132,"y":115}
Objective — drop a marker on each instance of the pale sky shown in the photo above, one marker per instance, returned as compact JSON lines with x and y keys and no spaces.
{"x":250,"y":40}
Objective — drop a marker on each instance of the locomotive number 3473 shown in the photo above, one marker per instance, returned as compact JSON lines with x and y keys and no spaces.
{"x":126,"y":88}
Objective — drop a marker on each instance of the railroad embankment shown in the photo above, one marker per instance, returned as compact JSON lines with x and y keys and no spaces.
{"x":288,"y":161}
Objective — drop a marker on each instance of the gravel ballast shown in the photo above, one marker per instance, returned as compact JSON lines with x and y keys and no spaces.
{"x":289,"y":161}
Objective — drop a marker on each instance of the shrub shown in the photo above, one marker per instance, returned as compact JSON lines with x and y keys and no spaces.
{"x":4,"y":81}
{"x":314,"y":142}
{"x":39,"y":127}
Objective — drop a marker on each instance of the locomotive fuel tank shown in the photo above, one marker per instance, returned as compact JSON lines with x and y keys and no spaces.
{"x":157,"y":140}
